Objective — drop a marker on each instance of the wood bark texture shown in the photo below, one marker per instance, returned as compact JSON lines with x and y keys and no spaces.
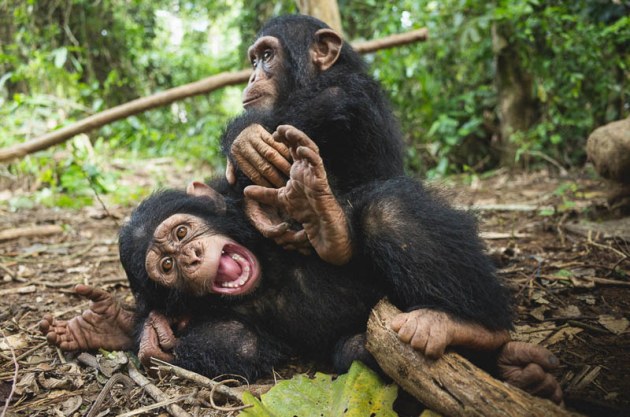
{"x":325,"y":10}
{"x":451,"y":385}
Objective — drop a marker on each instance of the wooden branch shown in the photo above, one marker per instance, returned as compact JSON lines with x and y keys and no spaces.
{"x":451,"y":385}
{"x":391,"y":41}
{"x":169,"y":96}
{"x":31,"y":231}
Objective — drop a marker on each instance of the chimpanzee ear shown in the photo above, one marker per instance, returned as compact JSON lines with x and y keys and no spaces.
{"x":200,"y":189}
{"x":326,"y":48}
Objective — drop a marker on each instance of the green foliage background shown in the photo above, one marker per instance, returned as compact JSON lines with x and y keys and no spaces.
{"x":62,"y":61}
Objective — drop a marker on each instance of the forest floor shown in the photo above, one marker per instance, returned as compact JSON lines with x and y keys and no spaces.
{"x":571,"y":286}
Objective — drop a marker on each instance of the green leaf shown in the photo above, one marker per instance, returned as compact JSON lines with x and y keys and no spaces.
{"x":358,"y":393}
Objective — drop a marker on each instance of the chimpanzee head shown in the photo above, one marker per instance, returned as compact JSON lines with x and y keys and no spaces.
{"x":187,"y":243}
{"x":293,"y":52}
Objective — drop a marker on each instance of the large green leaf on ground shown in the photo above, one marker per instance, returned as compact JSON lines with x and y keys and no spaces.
{"x":358,"y":393}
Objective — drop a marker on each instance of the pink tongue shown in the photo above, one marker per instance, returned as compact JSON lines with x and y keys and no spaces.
{"x":229,"y":269}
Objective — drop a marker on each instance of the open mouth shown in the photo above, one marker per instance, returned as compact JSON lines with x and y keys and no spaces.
{"x":238,"y":271}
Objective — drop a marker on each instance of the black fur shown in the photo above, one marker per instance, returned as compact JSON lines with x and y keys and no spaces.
{"x":408,"y":244}
{"x":342,"y":109}
{"x":410,"y":247}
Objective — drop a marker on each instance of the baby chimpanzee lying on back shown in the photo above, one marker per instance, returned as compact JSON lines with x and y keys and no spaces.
{"x":216,"y":297}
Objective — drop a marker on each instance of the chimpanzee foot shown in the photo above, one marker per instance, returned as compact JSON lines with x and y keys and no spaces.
{"x":308,"y":198}
{"x":527,"y":366}
{"x":104,"y":325}
{"x":431,"y":332}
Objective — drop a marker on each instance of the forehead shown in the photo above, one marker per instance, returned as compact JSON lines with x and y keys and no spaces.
{"x":265,"y":42}
{"x":176,"y":219}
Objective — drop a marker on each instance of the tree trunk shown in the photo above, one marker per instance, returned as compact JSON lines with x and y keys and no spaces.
{"x":325,"y":10}
{"x":451,"y":385}
{"x":517,"y":106}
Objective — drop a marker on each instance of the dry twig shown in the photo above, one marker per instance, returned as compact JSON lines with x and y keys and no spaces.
{"x":155,"y":392}
{"x":199,"y":379}
{"x":16,"y":367}
{"x":102,"y":396}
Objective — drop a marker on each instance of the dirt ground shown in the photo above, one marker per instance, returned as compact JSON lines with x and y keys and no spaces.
{"x":571,"y":286}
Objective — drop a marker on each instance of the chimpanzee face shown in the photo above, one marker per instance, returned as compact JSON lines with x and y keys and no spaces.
{"x":266,"y":56}
{"x":186,"y":254}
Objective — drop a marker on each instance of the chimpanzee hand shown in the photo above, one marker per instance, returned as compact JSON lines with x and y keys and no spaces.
{"x":157,"y":339}
{"x":431,"y":332}
{"x":262,"y":159}
{"x":526,"y":366}
{"x":270,"y":222}
{"x":308,"y":199}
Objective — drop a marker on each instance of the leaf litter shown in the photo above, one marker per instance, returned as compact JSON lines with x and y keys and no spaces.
{"x":571,"y":294}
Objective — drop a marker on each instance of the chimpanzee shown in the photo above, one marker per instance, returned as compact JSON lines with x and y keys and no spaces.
{"x":305,"y":76}
{"x":238,"y":303}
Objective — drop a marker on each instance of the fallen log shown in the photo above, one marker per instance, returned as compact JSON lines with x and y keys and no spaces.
{"x":451,"y":385}
{"x":174,"y":94}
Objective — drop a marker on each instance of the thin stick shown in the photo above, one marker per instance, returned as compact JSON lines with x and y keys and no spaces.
{"x":155,"y":393}
{"x":29,"y":289}
{"x":28,"y":352}
{"x":199,"y":379}
{"x":115,"y":379}
{"x":217,"y":407}
{"x":16,"y":367}
{"x":594,"y":280}
{"x":153,"y":406}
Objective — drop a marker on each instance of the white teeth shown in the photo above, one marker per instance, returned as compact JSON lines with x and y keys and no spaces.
{"x":236,"y":284}
{"x":237,"y":257}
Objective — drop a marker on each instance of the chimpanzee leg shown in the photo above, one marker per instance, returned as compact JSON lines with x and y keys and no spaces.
{"x":227,"y":346}
{"x":350,"y":349}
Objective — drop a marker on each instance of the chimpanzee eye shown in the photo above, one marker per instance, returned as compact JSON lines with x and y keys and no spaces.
{"x":267,"y":55}
{"x":167,"y":264}
{"x":181,"y":232}
{"x":253,"y":62}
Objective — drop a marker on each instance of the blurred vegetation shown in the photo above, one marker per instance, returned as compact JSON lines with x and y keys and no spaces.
{"x":61,"y":61}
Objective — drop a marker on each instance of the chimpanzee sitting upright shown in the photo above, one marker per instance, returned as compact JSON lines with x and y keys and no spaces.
{"x":307,"y":77}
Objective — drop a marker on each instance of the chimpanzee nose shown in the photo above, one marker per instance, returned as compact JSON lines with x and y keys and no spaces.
{"x":190,"y":257}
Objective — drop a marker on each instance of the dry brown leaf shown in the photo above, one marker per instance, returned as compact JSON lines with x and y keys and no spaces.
{"x":539,"y":312}
{"x":569,"y":311}
{"x":562,"y":334}
{"x":580,"y":282}
{"x":15,"y":341}
{"x":539,"y":298}
{"x":72,"y":404}
{"x":587,"y":298}
{"x":532,"y":334}
{"x":613,"y":324}
{"x":27,"y":384}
